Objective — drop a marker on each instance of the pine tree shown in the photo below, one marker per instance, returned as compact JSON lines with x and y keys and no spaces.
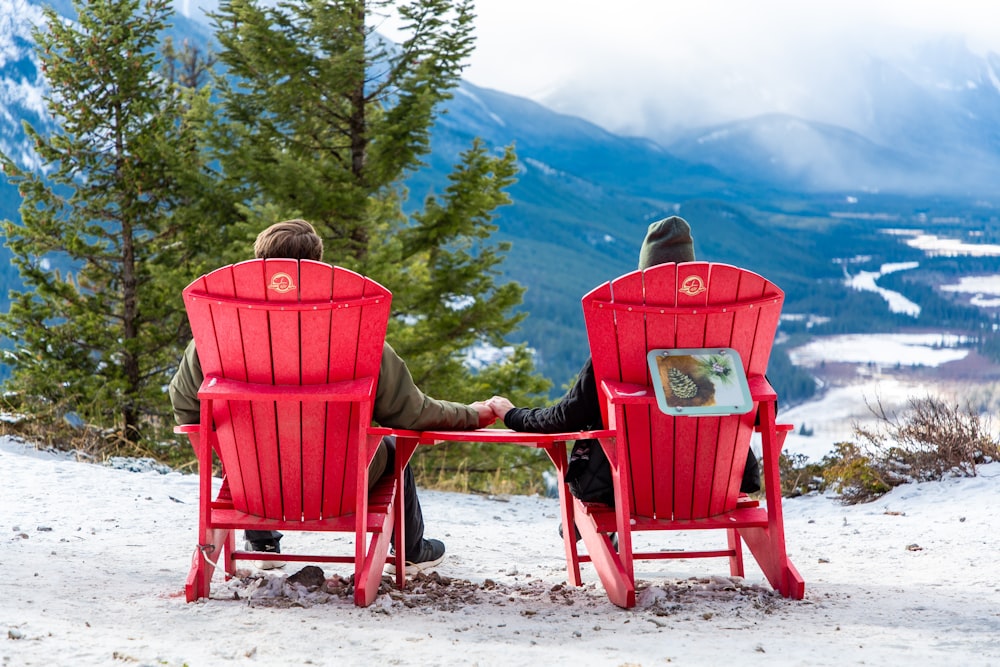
{"x":112,"y":209}
{"x":321,"y":119}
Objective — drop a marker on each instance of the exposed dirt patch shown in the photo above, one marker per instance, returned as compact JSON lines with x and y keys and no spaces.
{"x":678,"y":599}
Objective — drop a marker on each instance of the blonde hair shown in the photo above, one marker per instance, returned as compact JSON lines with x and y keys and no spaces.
{"x":290,"y":239}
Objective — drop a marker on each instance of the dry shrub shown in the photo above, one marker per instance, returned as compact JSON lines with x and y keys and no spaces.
{"x":856,"y":477}
{"x":930,"y":440}
{"x":800,"y":477}
{"x":46,"y":427}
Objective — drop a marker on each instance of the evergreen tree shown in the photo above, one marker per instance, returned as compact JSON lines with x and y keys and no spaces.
{"x":321,"y":119}
{"x":101,"y":337}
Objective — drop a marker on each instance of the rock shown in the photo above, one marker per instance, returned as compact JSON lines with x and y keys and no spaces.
{"x":310,"y":576}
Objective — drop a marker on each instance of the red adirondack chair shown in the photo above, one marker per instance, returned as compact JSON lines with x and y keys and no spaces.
{"x":681,"y":469}
{"x":290,"y":352}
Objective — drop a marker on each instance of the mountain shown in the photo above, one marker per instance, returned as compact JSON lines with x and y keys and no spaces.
{"x":783,"y":196}
{"x":931,"y":125}
{"x":801,"y":155}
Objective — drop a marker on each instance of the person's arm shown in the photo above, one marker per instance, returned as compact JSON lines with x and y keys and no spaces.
{"x":578,"y":410}
{"x":399,"y":403}
{"x":184,"y":388}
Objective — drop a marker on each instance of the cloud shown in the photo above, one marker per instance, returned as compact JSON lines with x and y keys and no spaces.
{"x":642,"y":63}
{"x":653,"y":67}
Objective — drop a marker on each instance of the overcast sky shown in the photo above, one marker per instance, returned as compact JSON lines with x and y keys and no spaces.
{"x":631,"y":63}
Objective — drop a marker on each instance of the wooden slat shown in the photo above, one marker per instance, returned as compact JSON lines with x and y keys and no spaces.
{"x":692,"y":292}
{"x":371,"y":329}
{"x":338,"y":467}
{"x":724,"y":285}
{"x":660,"y":289}
{"x":602,"y":339}
{"x":254,"y":437}
{"x":283,"y":283}
{"x":718,"y":443}
{"x":315,"y":284}
{"x":745,"y":332}
{"x":631,"y":328}
{"x":631,"y":333}
{"x":234,"y":418}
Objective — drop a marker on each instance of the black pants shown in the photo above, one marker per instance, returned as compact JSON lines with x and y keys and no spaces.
{"x":413,"y":519}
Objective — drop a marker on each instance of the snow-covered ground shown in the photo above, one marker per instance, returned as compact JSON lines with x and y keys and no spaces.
{"x":94,"y":559}
{"x":866,"y":281}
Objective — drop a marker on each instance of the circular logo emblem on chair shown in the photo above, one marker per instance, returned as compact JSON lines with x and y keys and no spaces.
{"x":281,"y":283}
{"x":692,"y":285}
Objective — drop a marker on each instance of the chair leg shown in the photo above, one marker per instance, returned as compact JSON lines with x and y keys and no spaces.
{"x":618,"y":583}
{"x":216,"y":543}
{"x":230,"y":562}
{"x":569,"y":536}
{"x":196,"y":586}
{"x":368,"y":575}
{"x":736,"y":559}
{"x":557,"y":454}
{"x":404,"y":451}
{"x":774,"y":562}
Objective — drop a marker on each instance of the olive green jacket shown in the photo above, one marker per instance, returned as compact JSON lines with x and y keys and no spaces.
{"x":399,"y":403}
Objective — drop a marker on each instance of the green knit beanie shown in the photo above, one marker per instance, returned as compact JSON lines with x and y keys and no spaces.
{"x":667,"y":240}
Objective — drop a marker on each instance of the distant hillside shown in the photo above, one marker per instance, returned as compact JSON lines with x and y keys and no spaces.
{"x":585,"y":198}
{"x":779,"y":195}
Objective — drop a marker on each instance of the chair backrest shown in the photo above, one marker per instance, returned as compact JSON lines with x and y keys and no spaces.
{"x":286,"y":323}
{"x":681,"y":467}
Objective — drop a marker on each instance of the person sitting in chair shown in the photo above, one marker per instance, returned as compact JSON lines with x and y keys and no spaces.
{"x":589,"y":473}
{"x":399,"y":403}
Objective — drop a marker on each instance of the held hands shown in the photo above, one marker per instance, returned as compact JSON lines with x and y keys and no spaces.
{"x":486,"y":416}
{"x":500,"y":406}
{"x":491,"y":410}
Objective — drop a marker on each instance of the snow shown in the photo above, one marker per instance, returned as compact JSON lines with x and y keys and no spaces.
{"x":866,"y":281}
{"x":982,"y":287}
{"x":931,"y":349}
{"x":95,"y":558}
{"x":933,"y":245}
{"x":977,"y":284}
{"x":832,"y":417}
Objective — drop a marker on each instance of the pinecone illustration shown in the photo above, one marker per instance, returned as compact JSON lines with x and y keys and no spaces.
{"x":681,"y":385}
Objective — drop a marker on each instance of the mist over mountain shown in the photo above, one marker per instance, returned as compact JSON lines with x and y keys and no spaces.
{"x":931,"y":126}
{"x":926,"y":125}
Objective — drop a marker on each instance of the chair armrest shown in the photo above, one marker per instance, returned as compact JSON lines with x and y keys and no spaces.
{"x":218,"y":388}
{"x":509,"y":437}
{"x":761,"y":389}
{"x":398,"y":432}
{"x":187,"y":428}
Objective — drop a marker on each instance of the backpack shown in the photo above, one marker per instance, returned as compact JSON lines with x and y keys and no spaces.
{"x":589,"y":473}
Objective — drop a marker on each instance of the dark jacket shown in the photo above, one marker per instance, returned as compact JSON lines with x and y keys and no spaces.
{"x":589,"y":474}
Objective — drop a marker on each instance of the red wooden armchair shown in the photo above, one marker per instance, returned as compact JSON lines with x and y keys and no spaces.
{"x":290,"y":352}
{"x":681,"y":469}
